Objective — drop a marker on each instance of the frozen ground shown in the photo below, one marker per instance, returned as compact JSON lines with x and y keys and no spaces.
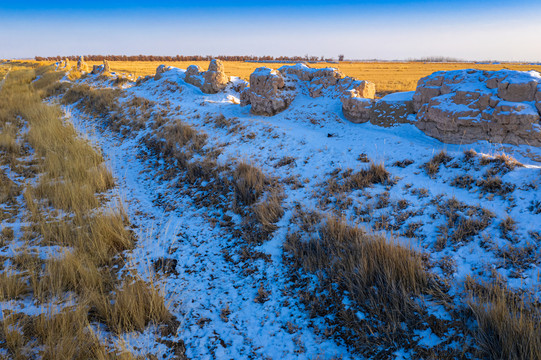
{"x":213,"y":295}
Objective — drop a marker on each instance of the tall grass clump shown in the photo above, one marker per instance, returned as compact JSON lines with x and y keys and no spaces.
{"x":508,"y":325}
{"x":376,"y":276}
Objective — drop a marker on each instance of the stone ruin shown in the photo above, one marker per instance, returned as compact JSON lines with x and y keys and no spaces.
{"x":211,"y":81}
{"x":387,"y":111}
{"x":65,"y":64}
{"x":193,"y":76}
{"x":461,"y":106}
{"x":160,"y":70}
{"x":82,"y":66}
{"x":271,"y":91}
{"x":315,"y":80}
{"x":392,"y":109}
{"x":267,"y":93}
{"x":101,"y":69}
{"x":465,"y":106}
{"x":215,"y":78}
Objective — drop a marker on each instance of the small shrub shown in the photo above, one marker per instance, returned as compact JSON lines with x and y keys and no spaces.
{"x":375,"y":174}
{"x":508,"y":226}
{"x":463,"y":181}
{"x":495,"y":185}
{"x":433,"y":166}
{"x":269,"y":211}
{"x":249,"y":183}
{"x":403,"y":163}
{"x":501,"y":163}
{"x":286,"y":160}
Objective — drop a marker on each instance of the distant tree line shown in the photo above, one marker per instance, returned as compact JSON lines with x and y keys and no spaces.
{"x":184,"y":58}
{"x":437,"y":59}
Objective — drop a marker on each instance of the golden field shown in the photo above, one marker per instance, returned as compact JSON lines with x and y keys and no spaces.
{"x":388,"y":76}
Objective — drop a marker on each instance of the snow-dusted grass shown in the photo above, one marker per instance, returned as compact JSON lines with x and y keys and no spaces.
{"x":369,"y":285}
{"x":509,"y":324}
{"x":190,"y":146}
{"x":67,"y":252}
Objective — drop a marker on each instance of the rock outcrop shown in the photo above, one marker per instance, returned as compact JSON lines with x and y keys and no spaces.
{"x":82,"y":66}
{"x":266,"y":93}
{"x":464,"y":106}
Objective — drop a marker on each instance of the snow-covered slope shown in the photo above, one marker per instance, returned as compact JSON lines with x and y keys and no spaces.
{"x":232,"y":306}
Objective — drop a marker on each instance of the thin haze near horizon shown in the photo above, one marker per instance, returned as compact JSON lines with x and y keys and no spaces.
{"x":385,"y":29}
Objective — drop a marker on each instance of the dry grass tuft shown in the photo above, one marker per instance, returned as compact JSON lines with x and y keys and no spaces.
{"x":376,"y":174}
{"x":269,"y":211}
{"x":67,"y":335}
{"x":433,"y":166}
{"x":135,"y":304}
{"x":502,"y":163}
{"x":12,"y":285}
{"x":249,"y":183}
{"x":509,"y":326}
{"x":379,"y":278}
{"x":98,"y":102}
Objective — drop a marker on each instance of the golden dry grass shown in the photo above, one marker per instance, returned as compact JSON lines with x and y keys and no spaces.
{"x":509,"y":326}
{"x":380,"y":277}
{"x":65,"y":209}
{"x":388,"y":76}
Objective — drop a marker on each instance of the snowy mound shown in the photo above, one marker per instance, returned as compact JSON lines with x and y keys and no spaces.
{"x":469,"y":105}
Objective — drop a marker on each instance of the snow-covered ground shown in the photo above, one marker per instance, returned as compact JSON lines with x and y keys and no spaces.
{"x":213,"y":295}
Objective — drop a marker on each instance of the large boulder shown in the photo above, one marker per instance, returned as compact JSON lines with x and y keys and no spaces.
{"x":266,"y":93}
{"x":465,"y":106}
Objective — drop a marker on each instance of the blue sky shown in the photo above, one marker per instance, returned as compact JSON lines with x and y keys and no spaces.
{"x":387,"y":29}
